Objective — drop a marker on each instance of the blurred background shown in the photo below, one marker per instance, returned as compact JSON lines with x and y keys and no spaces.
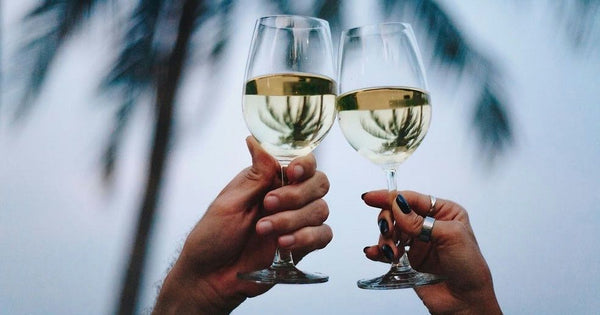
{"x":120,"y":121}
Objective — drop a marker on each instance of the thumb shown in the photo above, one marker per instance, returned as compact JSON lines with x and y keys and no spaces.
{"x":264,"y":166}
{"x":250,"y":185}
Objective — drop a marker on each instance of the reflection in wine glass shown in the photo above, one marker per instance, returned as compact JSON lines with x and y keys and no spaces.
{"x":384,"y":112}
{"x":289,"y":106}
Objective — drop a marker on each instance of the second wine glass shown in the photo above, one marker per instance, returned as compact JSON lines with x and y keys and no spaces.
{"x":384,"y":113}
{"x":289,"y":106}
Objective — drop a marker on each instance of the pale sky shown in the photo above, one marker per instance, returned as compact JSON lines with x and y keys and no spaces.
{"x":63,"y":238}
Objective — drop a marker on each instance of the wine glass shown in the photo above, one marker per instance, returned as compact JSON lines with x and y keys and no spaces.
{"x":289,"y":106}
{"x":384,"y":113}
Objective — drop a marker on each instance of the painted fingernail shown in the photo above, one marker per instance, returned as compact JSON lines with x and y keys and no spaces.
{"x":388,"y":252}
{"x":365,"y":249}
{"x":383,"y":226}
{"x":363,"y":196}
{"x":402,"y":204}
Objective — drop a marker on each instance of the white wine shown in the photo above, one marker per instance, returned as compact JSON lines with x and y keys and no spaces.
{"x":289,"y":114}
{"x":384,"y":124}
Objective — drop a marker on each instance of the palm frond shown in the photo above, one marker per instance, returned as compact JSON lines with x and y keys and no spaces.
{"x":282,"y":6}
{"x":134,"y":67}
{"x":60,"y":19}
{"x":222,"y":32}
{"x":109,"y":158}
{"x":581,"y":19}
{"x":330,"y":10}
{"x":132,"y":73}
{"x":492,"y":121}
{"x":451,"y":50}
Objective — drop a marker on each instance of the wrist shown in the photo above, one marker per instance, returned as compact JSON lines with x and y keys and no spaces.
{"x":484,"y":303}
{"x":185,"y":294}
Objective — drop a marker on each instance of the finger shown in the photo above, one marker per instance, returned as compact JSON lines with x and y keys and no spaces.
{"x":444,"y":210}
{"x":422,"y":204}
{"x":383,"y":254}
{"x":386,"y":223}
{"x":301,"y":168}
{"x":389,"y":250}
{"x":378,"y":199}
{"x":384,"y":199}
{"x":307,"y":239}
{"x":374,"y":253}
{"x":313,"y":214}
{"x":388,"y":233}
{"x":406,"y":220}
{"x":295,"y":196}
{"x":385,"y":220}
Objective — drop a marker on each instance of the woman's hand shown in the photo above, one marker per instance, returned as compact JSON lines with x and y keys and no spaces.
{"x":452,"y":252}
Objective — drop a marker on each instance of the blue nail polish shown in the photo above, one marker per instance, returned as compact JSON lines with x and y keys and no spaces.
{"x":388,"y":252}
{"x":383,"y":226}
{"x":402,"y":204}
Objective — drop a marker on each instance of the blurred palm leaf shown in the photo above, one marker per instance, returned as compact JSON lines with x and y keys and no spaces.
{"x":452,"y":51}
{"x":580,"y":19}
{"x":52,"y":22}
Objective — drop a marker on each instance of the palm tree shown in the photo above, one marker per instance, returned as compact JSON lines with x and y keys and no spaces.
{"x":153,"y":56}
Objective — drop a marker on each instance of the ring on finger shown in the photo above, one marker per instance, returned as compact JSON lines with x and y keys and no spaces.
{"x":426,"y":229}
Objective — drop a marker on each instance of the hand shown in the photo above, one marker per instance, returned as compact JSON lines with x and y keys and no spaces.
{"x":452,"y":252}
{"x":240,"y":230}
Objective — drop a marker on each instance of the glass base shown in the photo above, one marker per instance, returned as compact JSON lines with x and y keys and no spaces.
{"x":398,"y":278}
{"x":288,"y":274}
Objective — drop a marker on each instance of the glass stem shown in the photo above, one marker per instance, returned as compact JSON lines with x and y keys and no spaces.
{"x":283,"y":258}
{"x":402,"y":264}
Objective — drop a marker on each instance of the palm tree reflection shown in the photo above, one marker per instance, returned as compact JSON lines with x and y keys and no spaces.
{"x":402,"y":130}
{"x":300,"y":120}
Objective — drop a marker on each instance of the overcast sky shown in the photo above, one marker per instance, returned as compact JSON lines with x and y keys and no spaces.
{"x":63,"y":237}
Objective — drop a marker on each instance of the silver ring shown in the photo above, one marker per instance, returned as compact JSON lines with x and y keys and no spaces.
{"x":432,"y":199}
{"x":426,"y":229}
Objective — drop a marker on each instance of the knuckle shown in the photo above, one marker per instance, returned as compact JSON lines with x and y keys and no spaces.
{"x":415,"y":223}
{"x":317,"y":237}
{"x":321,"y":236}
{"x":323,"y":182}
{"x":463,"y":213}
{"x":327,"y":235}
{"x":321,"y":211}
{"x":456,"y":228}
{"x":294,"y":194}
{"x":281,"y":223}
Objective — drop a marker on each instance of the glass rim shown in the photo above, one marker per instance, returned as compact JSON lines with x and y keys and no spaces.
{"x":378,"y":28}
{"x":311,"y":21}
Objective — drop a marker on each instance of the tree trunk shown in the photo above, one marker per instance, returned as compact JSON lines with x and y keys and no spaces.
{"x":168,"y":74}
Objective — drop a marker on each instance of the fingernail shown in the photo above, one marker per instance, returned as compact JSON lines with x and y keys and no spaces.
{"x":365,"y":249}
{"x":287,"y":240}
{"x":271,"y":202}
{"x":388,"y":252}
{"x":264,"y":227}
{"x":402,"y":204}
{"x":298,"y":172}
{"x":363,"y":196}
{"x":383,"y":226}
